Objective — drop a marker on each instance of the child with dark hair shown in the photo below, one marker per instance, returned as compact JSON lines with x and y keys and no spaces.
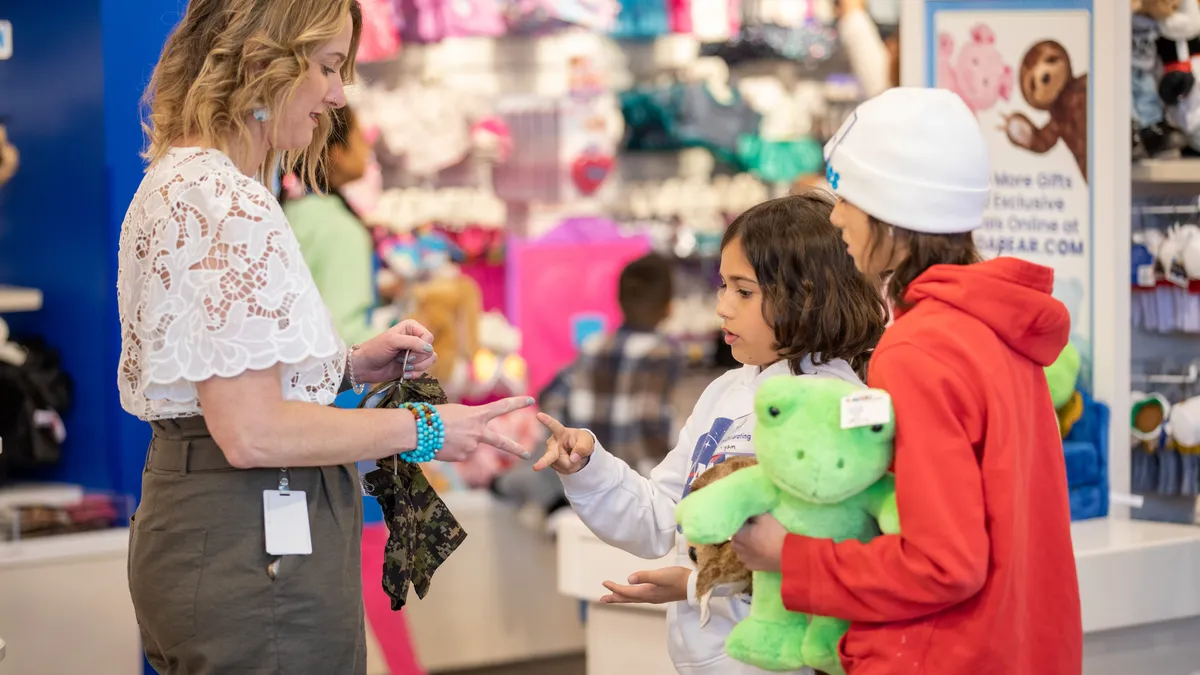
{"x":982,"y":577}
{"x":793,"y":304}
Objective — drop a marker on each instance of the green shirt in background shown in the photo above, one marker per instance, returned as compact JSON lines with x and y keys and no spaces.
{"x":339,"y":253}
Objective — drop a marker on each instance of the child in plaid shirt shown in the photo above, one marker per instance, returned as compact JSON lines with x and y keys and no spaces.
{"x":620,"y":386}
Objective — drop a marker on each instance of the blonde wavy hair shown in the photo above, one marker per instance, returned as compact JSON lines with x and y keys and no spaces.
{"x":228,"y":57}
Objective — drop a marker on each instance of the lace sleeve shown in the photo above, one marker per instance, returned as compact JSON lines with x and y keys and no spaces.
{"x":224,"y":289}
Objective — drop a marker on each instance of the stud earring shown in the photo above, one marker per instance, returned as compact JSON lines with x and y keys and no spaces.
{"x":262,"y":114}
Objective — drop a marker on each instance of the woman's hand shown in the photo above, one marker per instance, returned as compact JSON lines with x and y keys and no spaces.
{"x":759,"y":544}
{"x":381,"y":359}
{"x":669,"y":584}
{"x":467,"y":429}
{"x":567,"y":450}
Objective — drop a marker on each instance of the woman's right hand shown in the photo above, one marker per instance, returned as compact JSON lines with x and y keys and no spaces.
{"x":567,"y":450}
{"x":467,"y":429}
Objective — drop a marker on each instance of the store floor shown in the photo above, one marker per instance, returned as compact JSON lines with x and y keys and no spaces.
{"x":567,"y":665}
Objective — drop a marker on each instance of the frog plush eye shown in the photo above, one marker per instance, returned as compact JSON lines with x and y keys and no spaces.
{"x":773,"y":411}
{"x":877,"y":428}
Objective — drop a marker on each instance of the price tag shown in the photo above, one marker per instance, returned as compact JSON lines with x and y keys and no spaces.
{"x":866,"y":409}
{"x":285,"y":517}
{"x":1146,"y":277}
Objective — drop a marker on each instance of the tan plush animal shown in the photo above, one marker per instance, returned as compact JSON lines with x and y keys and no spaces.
{"x":450,"y":306}
{"x":717,"y":566}
{"x":9,"y":157}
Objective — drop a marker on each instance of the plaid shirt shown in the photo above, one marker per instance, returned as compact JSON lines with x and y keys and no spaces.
{"x":620,"y":388}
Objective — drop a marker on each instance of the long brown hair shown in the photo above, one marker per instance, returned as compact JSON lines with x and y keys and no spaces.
{"x":228,"y":57}
{"x":814,"y":297}
{"x":918,"y":252}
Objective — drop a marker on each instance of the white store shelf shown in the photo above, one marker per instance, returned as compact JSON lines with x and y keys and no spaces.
{"x":16,"y":299}
{"x":1167,"y":171}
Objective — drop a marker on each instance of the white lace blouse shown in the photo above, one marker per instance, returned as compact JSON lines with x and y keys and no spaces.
{"x":211,"y":284}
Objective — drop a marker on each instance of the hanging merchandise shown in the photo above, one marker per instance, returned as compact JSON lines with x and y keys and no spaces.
{"x":539,"y":17}
{"x":792,"y":30}
{"x":702,"y":110}
{"x":34,"y":395}
{"x":380,"y":37}
{"x":424,"y":125}
{"x":712,"y":114}
{"x":783,"y":149}
{"x":434,"y":20}
{"x":706,"y":20}
{"x":9,"y":157}
{"x":641,"y":20}
{"x":564,"y":148}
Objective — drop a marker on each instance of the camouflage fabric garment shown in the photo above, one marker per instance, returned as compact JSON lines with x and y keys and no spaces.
{"x":422,"y":531}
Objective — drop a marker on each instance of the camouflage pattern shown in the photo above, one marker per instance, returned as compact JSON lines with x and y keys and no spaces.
{"x":422,"y":531}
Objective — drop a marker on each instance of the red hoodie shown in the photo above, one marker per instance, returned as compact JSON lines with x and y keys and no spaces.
{"x":982,"y":578}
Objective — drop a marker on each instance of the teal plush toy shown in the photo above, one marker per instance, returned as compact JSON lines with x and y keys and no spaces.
{"x":824,"y":447}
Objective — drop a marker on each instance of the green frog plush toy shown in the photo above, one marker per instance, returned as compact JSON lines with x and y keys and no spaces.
{"x":1062,"y":375}
{"x":824,"y":448}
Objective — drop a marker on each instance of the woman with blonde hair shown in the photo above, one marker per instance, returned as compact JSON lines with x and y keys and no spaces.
{"x":244,"y":551}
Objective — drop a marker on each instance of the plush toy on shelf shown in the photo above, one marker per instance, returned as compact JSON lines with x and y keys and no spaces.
{"x":718,"y":569}
{"x":804,"y":426}
{"x":1062,"y":376}
{"x":1185,"y":439}
{"x":1151,"y":136}
{"x":1147,"y":430}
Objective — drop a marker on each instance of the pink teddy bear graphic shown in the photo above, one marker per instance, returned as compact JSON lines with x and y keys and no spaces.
{"x":979,"y":75}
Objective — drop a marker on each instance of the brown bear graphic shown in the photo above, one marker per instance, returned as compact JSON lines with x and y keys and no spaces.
{"x":1047,"y":84}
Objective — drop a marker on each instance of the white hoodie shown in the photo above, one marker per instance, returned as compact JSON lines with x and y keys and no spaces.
{"x":637,"y":514}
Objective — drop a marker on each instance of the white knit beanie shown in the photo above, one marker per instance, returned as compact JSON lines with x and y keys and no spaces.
{"x":915,"y":158}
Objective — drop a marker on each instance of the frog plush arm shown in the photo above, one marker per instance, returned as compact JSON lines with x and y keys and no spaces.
{"x":881,"y":504}
{"x":717,"y":512}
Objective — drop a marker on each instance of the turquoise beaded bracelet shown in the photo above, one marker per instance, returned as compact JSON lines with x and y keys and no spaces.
{"x":431,"y":433}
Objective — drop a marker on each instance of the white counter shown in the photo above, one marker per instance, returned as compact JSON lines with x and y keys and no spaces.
{"x":71,"y":590}
{"x":1139,"y":583}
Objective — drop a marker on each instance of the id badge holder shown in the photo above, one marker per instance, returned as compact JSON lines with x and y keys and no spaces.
{"x":285,"y":520}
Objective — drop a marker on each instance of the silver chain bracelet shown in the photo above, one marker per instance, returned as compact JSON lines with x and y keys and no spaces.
{"x":354,"y":383}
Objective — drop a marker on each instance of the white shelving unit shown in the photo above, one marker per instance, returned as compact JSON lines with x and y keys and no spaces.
{"x":17,"y":299}
{"x":1158,"y":171}
{"x":78,"y":584}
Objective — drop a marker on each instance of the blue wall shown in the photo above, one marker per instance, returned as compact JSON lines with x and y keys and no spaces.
{"x":70,"y":97}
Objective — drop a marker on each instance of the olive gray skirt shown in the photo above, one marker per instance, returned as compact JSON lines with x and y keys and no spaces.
{"x":207,"y":596}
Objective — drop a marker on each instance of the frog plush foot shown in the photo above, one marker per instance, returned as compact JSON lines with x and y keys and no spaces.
{"x":767,"y":644}
{"x":820,"y":647}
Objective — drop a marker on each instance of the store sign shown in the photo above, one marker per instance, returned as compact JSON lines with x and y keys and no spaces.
{"x":1022,"y":67}
{"x":6,"y":40}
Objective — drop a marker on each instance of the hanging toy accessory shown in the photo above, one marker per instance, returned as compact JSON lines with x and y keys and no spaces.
{"x":422,"y":531}
{"x":591,"y":169}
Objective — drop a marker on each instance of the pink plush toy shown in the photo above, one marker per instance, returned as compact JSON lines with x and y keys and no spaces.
{"x":979,"y":75}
